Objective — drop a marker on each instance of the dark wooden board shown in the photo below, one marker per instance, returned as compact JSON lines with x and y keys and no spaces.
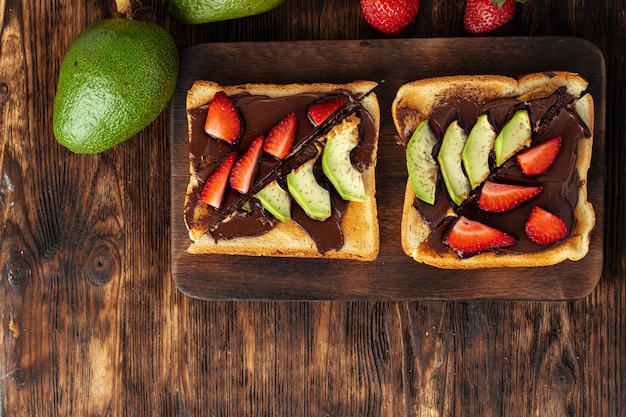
{"x":393,"y":275}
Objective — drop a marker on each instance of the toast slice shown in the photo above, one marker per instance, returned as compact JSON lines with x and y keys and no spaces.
{"x":356,"y":236}
{"x":427,"y":241}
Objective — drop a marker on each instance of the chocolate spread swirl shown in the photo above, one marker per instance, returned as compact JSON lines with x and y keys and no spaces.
{"x":260,"y":114}
{"x":550,"y":116}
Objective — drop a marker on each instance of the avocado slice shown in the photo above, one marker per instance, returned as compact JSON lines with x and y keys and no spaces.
{"x":514,"y":136}
{"x":336,"y":162}
{"x":450,"y":162}
{"x":477,"y":149}
{"x":276,"y":200}
{"x":420,"y":163}
{"x":308,"y":193}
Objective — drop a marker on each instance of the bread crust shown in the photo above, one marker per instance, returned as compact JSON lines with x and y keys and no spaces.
{"x":287,"y":239}
{"x":423,"y":96}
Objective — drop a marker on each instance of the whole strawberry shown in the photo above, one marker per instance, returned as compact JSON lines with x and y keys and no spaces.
{"x":482,"y":16}
{"x":390,"y":17}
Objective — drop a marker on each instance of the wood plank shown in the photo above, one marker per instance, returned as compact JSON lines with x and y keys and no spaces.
{"x":233,"y":277}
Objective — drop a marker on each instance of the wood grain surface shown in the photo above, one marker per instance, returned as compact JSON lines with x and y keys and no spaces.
{"x":92,"y":323}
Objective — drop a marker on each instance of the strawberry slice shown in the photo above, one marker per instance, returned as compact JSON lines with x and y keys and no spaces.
{"x":537,"y":160}
{"x":243,"y":171}
{"x":223,"y":121}
{"x":280,"y":139}
{"x":469,"y":237}
{"x":215,"y":185}
{"x":543,"y":227}
{"x":320,"y":111}
{"x":496,"y":197}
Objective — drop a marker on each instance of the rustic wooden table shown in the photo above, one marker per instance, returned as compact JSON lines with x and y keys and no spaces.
{"x":93,"y":323}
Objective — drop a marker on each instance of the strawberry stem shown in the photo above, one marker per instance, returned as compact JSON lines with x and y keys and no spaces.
{"x":500,"y":3}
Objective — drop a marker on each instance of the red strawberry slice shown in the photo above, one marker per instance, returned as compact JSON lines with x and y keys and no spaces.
{"x":280,"y":139}
{"x":482,"y":16}
{"x":537,"y":160}
{"x":543,"y":227}
{"x":243,"y":171}
{"x":223,"y":121}
{"x":469,"y":237}
{"x":320,"y":111}
{"x":215,"y":185}
{"x":496,"y":197}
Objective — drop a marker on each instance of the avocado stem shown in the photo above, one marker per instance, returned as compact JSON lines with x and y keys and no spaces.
{"x":123,"y":6}
{"x":135,"y":11}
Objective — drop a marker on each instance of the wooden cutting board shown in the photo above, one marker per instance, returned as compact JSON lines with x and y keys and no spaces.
{"x":393,"y":275}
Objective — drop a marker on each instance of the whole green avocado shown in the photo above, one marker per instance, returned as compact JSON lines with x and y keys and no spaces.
{"x":207,"y":11}
{"x":115,"y":79}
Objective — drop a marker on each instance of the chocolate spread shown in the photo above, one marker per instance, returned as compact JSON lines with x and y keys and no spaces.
{"x":259,"y":115}
{"x":550,"y":116}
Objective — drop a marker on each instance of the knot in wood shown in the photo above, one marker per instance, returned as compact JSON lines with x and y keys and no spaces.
{"x":102,"y":263}
{"x":19,"y":376}
{"x":17,"y":270}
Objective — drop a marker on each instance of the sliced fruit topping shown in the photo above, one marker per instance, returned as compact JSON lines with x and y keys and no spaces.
{"x":514,"y":136}
{"x":308,"y":193}
{"x":477,"y":149}
{"x":543,"y":227}
{"x":450,"y":162}
{"x":538,"y":159}
{"x":215,"y":185}
{"x":243,"y":171}
{"x":320,"y":111}
{"x":336,"y":162}
{"x":276,"y":200}
{"x":420,"y":163}
{"x":469,"y":237}
{"x":280,"y":139}
{"x":497,"y":197}
{"x":223,"y":120}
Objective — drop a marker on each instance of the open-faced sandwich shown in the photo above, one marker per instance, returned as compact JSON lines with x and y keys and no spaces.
{"x":497,"y":169}
{"x":283,"y":170}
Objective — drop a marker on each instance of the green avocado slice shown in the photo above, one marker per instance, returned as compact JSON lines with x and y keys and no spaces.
{"x":308,"y":193}
{"x":420,"y":163}
{"x":476,"y":152}
{"x":450,"y":162}
{"x":514,"y":136}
